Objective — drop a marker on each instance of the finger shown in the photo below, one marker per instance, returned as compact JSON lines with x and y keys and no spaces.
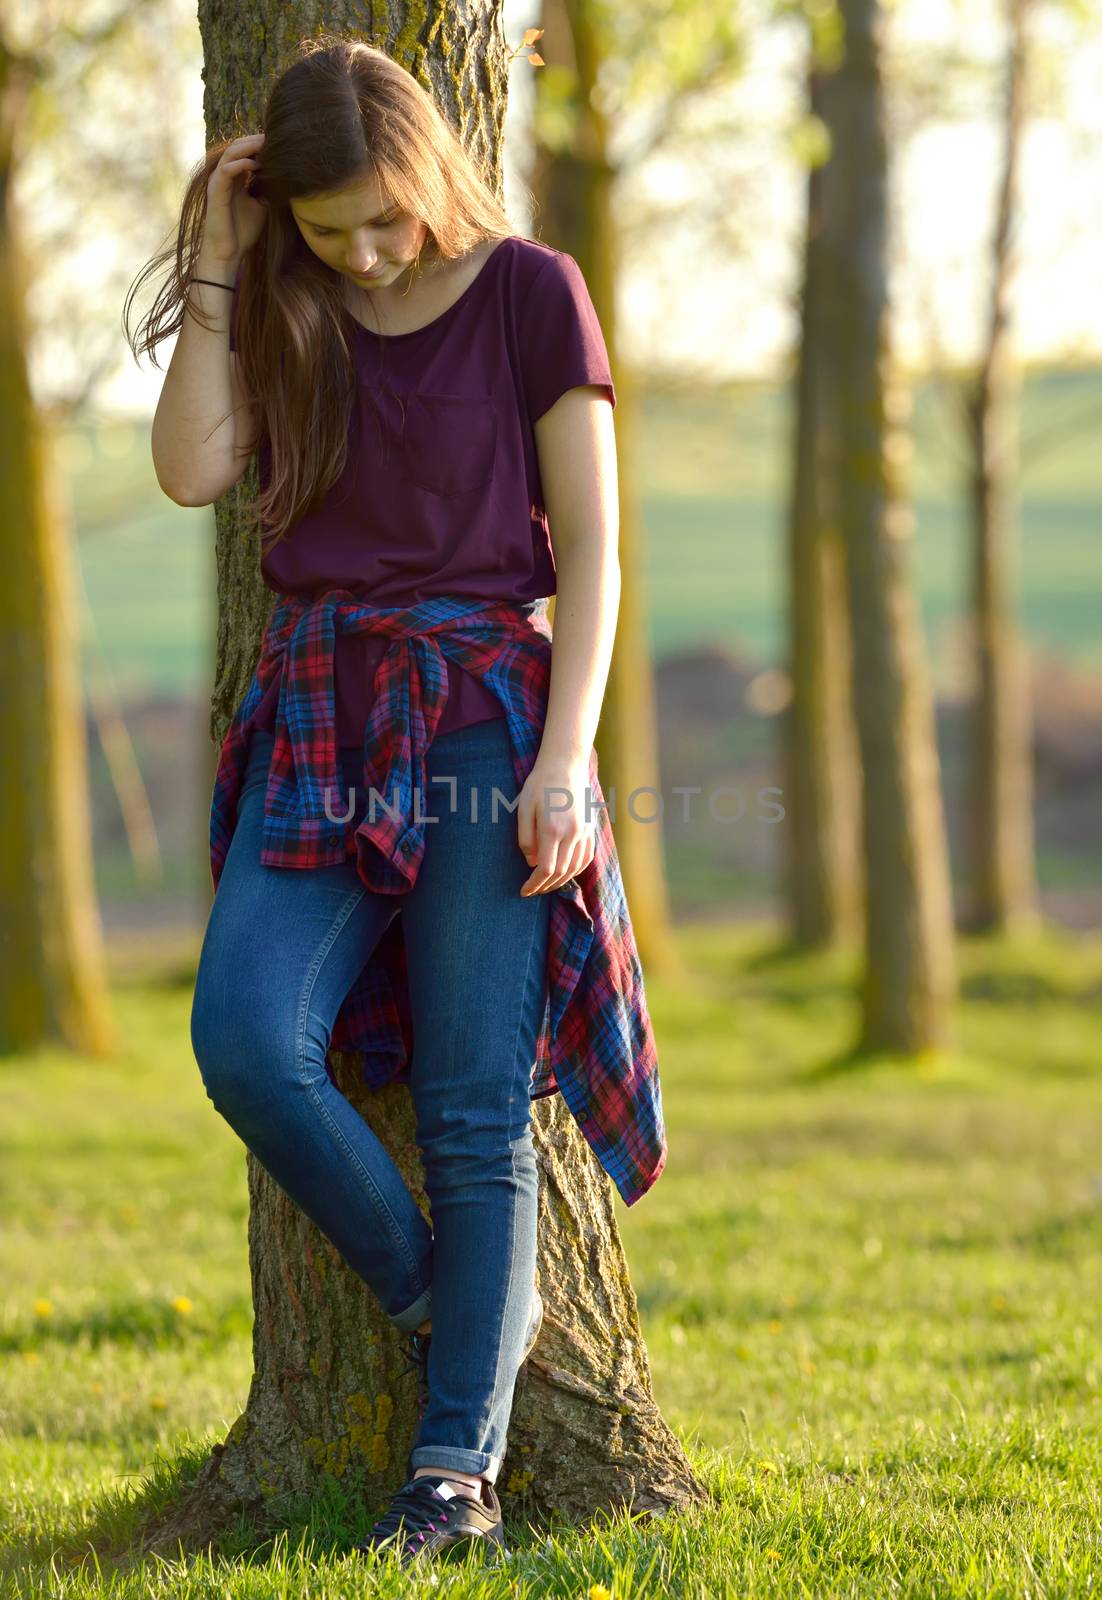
{"x":539,"y":879}
{"x":571,"y":867}
{"x":548,"y":874}
{"x":526,"y":832}
{"x":534,"y":884}
{"x":555,"y":878}
{"x":585,"y":856}
{"x":234,"y":170}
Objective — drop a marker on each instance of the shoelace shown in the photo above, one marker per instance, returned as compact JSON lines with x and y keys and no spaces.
{"x":409,"y":1507}
{"x":416,"y":1353}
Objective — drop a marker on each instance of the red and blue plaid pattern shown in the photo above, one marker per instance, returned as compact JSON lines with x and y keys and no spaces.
{"x":596,"y":1043}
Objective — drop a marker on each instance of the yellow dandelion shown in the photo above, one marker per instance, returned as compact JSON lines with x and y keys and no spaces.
{"x":768,"y":1466}
{"x":775,"y":1326}
{"x":30,"y":1355}
{"x":158,"y":1402}
{"x":96,"y":1388}
{"x":809,"y":1366}
{"x":182,"y":1304}
{"x":43,"y":1308}
{"x":597,"y":1591}
{"x":774,"y":1555}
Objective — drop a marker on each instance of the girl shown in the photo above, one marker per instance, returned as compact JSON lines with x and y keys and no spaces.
{"x":423,"y":386}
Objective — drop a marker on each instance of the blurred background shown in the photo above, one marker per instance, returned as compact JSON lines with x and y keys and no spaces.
{"x":711,"y":213}
{"x":712,"y":229}
{"x":869,"y":1276}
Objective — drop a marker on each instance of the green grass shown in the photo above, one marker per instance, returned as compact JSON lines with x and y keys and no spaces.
{"x":714,"y":490}
{"x":870,"y":1299}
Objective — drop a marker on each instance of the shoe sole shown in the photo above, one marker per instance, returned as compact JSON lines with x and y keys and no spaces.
{"x":484,"y":1546}
{"x":490,"y":1547}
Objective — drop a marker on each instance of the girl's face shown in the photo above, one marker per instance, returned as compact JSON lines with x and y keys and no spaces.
{"x":360,"y":234}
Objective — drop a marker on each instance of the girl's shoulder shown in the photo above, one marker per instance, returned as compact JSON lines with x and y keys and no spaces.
{"x":532,"y":255}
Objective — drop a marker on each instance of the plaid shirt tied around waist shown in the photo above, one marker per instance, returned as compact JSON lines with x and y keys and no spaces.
{"x":596,"y":1043}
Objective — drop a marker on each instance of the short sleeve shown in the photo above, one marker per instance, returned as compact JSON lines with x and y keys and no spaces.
{"x":560,"y":342}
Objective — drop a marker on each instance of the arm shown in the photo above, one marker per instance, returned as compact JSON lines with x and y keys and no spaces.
{"x":576,"y":444}
{"x":202,"y":429}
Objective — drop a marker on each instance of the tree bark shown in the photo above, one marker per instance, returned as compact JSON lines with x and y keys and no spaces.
{"x":53,"y":974}
{"x":910,"y":961}
{"x":821,"y":795}
{"x":331,"y":1395}
{"x":1000,"y":809}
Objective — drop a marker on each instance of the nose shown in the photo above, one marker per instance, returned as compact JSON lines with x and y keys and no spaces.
{"x":360,"y":264}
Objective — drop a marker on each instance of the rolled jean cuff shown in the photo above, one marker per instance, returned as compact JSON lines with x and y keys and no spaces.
{"x":413,"y":1316}
{"x":440,"y":1455}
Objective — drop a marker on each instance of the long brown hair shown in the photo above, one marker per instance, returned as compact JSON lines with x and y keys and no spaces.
{"x":341,"y":112}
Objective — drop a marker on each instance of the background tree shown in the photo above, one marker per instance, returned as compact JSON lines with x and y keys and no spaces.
{"x":600,"y":58}
{"x":330,"y":1391}
{"x":821,"y":791}
{"x":1001,"y":849}
{"x":57,"y":75}
{"x":52,"y":964}
{"x":909,"y":975}
{"x":981,"y":436}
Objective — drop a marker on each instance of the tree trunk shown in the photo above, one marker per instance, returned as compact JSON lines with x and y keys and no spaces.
{"x":1001,"y":777}
{"x":53,"y":977}
{"x":573,"y":189}
{"x":821,"y":794}
{"x":331,"y":1394}
{"x":910,"y":960}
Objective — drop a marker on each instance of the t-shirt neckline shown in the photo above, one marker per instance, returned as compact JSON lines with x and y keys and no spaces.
{"x":412,"y":333}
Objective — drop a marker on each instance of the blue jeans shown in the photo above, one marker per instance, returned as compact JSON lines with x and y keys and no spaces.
{"x":282,"y":948}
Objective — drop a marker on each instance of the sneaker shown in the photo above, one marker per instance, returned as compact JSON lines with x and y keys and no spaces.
{"x":429,"y":1516}
{"x":416,"y":1352}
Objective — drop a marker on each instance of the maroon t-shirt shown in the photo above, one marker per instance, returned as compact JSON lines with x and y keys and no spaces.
{"x":441,"y":493}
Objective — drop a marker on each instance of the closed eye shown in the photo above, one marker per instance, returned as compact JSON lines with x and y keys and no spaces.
{"x":323,"y":233}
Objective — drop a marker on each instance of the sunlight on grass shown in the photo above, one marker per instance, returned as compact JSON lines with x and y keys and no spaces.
{"x":869,"y":1299}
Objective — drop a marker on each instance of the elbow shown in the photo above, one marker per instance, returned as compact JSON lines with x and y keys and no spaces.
{"x":180,"y":496}
{"x":200,"y":494}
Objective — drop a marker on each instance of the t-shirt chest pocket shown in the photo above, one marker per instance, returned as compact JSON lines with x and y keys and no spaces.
{"x":447,"y":443}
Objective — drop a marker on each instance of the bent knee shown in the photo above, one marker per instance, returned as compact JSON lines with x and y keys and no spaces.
{"x":243,"y":1051}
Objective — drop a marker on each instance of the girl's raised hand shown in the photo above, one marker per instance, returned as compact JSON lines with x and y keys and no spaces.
{"x":234,"y":219}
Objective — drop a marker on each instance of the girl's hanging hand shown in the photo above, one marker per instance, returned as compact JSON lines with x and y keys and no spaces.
{"x":552,"y":830}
